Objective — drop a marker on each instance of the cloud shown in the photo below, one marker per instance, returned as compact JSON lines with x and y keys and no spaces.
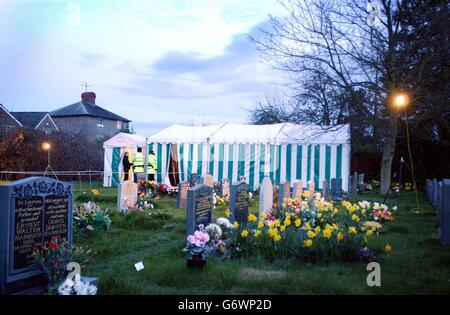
{"x":90,"y":59}
{"x":238,"y":69}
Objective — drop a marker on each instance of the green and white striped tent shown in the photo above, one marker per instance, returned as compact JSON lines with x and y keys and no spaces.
{"x":114,"y":151}
{"x":281,"y":151}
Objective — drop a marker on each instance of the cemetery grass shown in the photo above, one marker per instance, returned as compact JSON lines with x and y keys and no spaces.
{"x":418,"y":264}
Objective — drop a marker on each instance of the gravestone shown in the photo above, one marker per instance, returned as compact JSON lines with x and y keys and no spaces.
{"x":239,"y":200}
{"x":225,"y":187}
{"x":265,"y":196}
{"x":32,"y":211}
{"x":333,"y":188}
{"x":193,"y":179}
{"x":325,"y":190}
{"x":298,"y":190}
{"x":199,"y":207}
{"x":311,"y":189}
{"x":429,"y":189}
{"x":126,"y":194}
{"x":208,"y":180}
{"x":339,"y":193}
{"x":284,"y":193}
{"x":433,"y":202}
{"x":354,"y":183}
{"x":439,"y":202}
{"x":445,"y":213}
{"x":183,"y":187}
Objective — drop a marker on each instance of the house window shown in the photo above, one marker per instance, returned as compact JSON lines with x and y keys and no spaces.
{"x":100,"y":122}
{"x":119,"y":124}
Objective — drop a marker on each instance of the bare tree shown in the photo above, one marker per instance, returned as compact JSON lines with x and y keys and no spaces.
{"x":344,"y":59}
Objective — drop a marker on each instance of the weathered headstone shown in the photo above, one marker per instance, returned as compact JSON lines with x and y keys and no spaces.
{"x":32,"y":211}
{"x":199,"y":207}
{"x":333,"y":188}
{"x":225,"y":187}
{"x":298,"y":190}
{"x":208,"y":180}
{"x":285,"y":192}
{"x":239,"y":199}
{"x":126,"y":194}
{"x":311,"y":189}
{"x":325,"y":190}
{"x":265,"y":196}
{"x":182,"y":194}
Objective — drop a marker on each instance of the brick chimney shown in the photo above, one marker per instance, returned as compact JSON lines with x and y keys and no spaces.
{"x":88,"y":97}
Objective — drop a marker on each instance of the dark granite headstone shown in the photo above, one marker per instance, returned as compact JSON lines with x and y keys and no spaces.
{"x":182,"y":194}
{"x":32,"y":211}
{"x":445,"y":214}
{"x":284,"y":192}
{"x":325,"y":193}
{"x":439,"y":202}
{"x":355,"y":183}
{"x":333,"y":188}
{"x":239,"y":200}
{"x":199,"y":207}
{"x":339,"y":193}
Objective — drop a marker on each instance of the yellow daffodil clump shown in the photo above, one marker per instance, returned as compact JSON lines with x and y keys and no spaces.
{"x":307,"y":243}
{"x":252,"y":218}
{"x":244,"y":233}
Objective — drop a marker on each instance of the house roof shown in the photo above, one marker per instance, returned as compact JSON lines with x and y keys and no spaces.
{"x":10,"y":115}
{"x":86,"y":109}
{"x":29,"y":119}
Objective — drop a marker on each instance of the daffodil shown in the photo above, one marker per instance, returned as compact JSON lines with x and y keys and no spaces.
{"x":244,"y":233}
{"x":388,"y":248}
{"x":369,"y":233}
{"x":317,"y":229}
{"x":307,"y":226}
{"x":311,"y":234}
{"x":257,"y":234}
{"x":264,"y":215}
{"x":327,"y":233}
{"x":298,"y":222}
{"x":287,"y":222}
{"x":340,"y":236}
{"x":235,"y":225}
{"x":307,"y":243}
{"x":283,"y":228}
{"x":355,"y":218}
{"x":277,"y":237}
{"x":227,"y":213}
{"x":260,"y":224}
{"x":252,"y":217}
{"x":352,"y":230}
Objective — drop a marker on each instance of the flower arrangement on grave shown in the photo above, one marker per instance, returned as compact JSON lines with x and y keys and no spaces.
{"x":54,"y":255}
{"x":95,"y":193}
{"x":143,"y":203}
{"x":89,"y":216}
{"x":77,"y":287}
{"x":312,"y":230}
{"x":381,"y":212}
{"x":198,"y":246}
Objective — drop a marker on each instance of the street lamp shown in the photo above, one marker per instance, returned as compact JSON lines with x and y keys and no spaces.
{"x":401,"y":100}
{"x":46,"y":146}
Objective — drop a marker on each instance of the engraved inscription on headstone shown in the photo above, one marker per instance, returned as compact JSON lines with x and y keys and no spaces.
{"x":239,"y":202}
{"x":199,"y":207}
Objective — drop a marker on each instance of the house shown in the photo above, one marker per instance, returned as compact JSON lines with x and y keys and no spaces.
{"x":88,"y":120}
{"x":36,"y":120}
{"x":7,"y":120}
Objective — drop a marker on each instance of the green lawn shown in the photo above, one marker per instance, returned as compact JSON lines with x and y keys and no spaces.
{"x":418,"y":264}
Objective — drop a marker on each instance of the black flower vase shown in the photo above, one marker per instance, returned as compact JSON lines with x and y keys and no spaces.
{"x":196,"y":261}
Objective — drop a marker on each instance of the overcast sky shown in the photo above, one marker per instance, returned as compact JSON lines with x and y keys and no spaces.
{"x":155,"y":62}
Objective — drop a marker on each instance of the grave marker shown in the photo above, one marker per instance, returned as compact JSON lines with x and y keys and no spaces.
{"x":333,"y":188}
{"x":199,"y":207}
{"x":126,"y":194}
{"x":312,"y":186}
{"x":193,"y":179}
{"x":325,"y":190}
{"x":298,"y":190}
{"x":239,"y":200}
{"x":183,"y":188}
{"x":32,"y":211}
{"x":265,"y":196}
{"x":208,"y":180}
{"x":445,"y":213}
{"x":225,"y":187}
{"x":284,"y":192}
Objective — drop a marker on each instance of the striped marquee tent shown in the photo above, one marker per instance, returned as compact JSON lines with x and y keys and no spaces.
{"x":281,"y":151}
{"x":114,"y":151}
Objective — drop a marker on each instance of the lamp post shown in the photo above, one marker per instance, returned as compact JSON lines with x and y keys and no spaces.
{"x":400,"y":101}
{"x":46,"y":147}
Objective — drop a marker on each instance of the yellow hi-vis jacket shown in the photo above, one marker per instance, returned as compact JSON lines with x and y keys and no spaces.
{"x":151,"y":164}
{"x":138,"y":162}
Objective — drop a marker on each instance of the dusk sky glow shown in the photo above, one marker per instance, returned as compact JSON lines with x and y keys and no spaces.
{"x":155,"y":62}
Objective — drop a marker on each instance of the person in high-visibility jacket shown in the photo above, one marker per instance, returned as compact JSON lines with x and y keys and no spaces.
{"x":138,"y":163}
{"x":152,"y":166}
